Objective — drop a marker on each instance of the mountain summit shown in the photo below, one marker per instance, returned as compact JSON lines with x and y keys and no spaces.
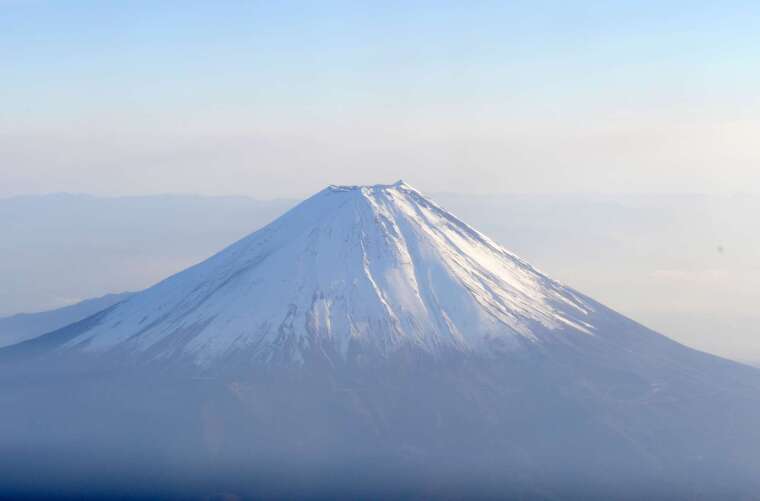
{"x":353,"y":271}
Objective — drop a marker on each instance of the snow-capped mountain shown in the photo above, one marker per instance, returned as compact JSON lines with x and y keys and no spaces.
{"x":351,"y":271}
{"x":370,"y":344}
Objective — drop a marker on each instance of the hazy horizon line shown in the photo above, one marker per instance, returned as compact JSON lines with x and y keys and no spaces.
{"x":188,"y":194}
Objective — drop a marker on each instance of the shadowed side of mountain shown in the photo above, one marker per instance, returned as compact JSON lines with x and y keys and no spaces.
{"x":25,"y":326}
{"x":46,"y":344}
{"x":559,"y":425}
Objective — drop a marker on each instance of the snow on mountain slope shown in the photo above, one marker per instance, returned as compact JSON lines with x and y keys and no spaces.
{"x":351,"y":269}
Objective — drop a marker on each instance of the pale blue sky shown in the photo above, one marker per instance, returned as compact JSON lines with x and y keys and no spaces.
{"x":281,"y":98}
